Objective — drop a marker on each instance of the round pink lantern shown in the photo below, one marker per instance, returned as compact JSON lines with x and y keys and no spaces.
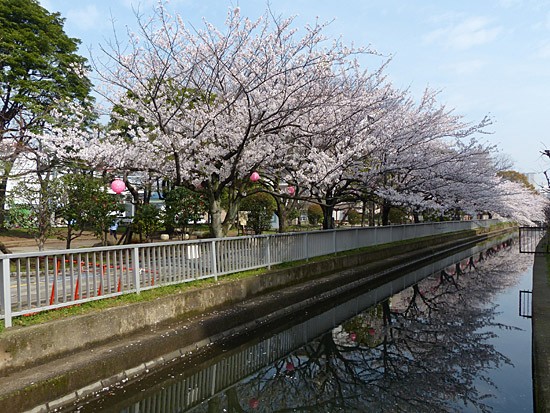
{"x":118,"y":186}
{"x":291,"y":190}
{"x":255,"y":176}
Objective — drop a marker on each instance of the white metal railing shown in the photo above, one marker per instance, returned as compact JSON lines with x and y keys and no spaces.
{"x":253,"y":363}
{"x":530,"y":240}
{"x":39,"y":281}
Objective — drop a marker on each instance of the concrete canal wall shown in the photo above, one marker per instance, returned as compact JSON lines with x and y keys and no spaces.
{"x":65,"y":359}
{"x":541,"y":333}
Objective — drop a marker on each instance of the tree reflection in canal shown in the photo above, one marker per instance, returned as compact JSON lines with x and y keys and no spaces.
{"x":436,"y":346}
{"x":423,"y":350}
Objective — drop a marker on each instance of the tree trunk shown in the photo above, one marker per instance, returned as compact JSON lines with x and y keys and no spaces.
{"x":233,"y":402}
{"x":214,"y":405}
{"x":281,"y":214}
{"x":230,"y":216}
{"x":69,"y":236}
{"x":220,"y":227}
{"x":41,"y":235}
{"x":386,"y":207}
{"x":105,"y":237}
{"x":386,"y":312}
{"x":372,"y":210}
{"x":6,"y":170}
{"x":215,"y":209}
{"x":363,"y":213}
{"x":328,"y":222}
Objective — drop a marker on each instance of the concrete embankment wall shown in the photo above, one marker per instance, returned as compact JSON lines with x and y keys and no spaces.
{"x":541,"y":333}
{"x":67,"y":355}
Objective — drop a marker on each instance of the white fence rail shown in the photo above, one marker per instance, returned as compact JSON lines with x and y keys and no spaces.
{"x":40,"y":281}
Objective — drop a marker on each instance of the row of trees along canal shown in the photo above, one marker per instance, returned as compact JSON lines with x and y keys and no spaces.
{"x":205,"y":109}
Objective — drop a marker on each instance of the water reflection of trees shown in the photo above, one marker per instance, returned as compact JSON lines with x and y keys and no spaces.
{"x":423,"y":350}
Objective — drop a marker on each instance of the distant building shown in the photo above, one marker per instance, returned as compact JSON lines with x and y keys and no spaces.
{"x":531,"y":178}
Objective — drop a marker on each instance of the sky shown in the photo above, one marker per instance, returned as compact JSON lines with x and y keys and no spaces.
{"x":485,"y":57}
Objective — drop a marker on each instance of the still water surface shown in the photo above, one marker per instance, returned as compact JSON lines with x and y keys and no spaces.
{"x":445,"y":338}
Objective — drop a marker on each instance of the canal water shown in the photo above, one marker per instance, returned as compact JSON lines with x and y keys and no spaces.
{"x":448,"y":337}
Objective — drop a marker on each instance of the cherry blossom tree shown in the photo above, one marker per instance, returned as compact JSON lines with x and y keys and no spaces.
{"x":425,"y":153}
{"x":209,"y":107}
{"x":327,"y":157}
{"x":204,"y":109}
{"x":515,"y":202}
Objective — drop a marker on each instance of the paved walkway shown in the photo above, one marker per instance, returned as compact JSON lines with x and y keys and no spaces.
{"x":541,"y":334}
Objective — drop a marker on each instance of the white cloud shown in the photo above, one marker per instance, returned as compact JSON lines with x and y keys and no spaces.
{"x":471,"y":32}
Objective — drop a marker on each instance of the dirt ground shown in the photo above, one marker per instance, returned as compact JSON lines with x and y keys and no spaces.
{"x":18,"y":244}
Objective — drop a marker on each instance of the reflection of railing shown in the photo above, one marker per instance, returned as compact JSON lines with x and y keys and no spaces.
{"x":33,"y":282}
{"x":184,"y":394}
{"x":525,"y":308}
{"x":529,"y":239}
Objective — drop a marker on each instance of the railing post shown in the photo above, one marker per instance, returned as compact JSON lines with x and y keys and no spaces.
{"x":268,"y":252}
{"x":334,"y":241}
{"x":6,"y":291}
{"x":214,"y":261}
{"x":137,"y":269}
{"x":306,"y":246}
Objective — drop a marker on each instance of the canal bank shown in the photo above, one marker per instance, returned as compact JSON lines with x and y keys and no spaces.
{"x":74,"y":356}
{"x":541,"y":333}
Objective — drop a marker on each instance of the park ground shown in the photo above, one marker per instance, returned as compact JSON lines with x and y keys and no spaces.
{"x":17,"y":242}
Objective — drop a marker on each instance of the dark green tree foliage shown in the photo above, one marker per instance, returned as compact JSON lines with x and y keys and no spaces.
{"x":39,"y":62}
{"x":314,"y":214}
{"x":354,"y":217}
{"x":518,"y":177}
{"x":84,"y":204}
{"x":183,"y":207}
{"x":147,"y":221}
{"x":103,"y":210}
{"x":260,"y":207}
{"x":39,"y":70}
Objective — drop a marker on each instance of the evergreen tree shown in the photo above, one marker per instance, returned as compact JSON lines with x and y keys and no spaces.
{"x":40,"y":69}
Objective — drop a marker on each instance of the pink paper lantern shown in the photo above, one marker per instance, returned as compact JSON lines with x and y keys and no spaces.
{"x":291,"y":190}
{"x":289,"y":366}
{"x":352,"y":336}
{"x":254,"y":403}
{"x":255,"y":176}
{"x":118,"y":186}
